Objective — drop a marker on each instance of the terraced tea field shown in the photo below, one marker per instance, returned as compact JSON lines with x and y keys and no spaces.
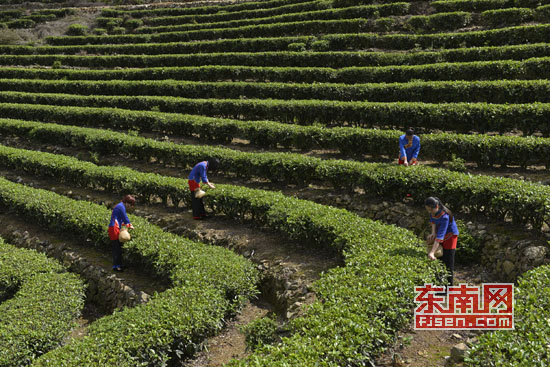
{"x":316,"y":225}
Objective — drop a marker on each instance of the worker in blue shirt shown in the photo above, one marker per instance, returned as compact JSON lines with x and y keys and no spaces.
{"x":198,"y":174}
{"x":119,"y":218}
{"x":409,"y":147}
{"x":444,"y":233}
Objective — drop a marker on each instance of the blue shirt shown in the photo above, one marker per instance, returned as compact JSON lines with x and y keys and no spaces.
{"x":198,"y":172}
{"x":119,"y":216}
{"x":444,"y":229}
{"x":410,"y":152}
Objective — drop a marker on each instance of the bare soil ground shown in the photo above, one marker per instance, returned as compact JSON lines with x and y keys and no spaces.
{"x":90,"y":313}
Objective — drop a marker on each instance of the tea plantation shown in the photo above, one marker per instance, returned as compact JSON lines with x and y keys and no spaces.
{"x":287,"y":94}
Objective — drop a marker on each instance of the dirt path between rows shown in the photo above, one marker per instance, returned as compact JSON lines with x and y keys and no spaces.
{"x":230,"y":343}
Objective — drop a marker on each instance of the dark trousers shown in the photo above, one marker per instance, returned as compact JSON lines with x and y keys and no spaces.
{"x":117,"y":252}
{"x":197,"y":205}
{"x":448,"y":259}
